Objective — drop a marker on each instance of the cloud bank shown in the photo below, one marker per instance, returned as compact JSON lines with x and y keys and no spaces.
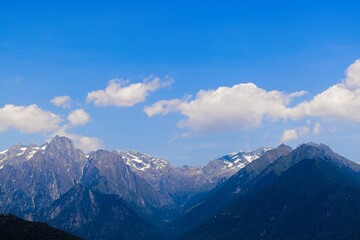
{"x":246,"y":106}
{"x":241,"y":107}
{"x":28,"y":119}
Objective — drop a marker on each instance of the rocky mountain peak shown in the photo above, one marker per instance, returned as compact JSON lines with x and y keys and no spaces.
{"x":16,"y":146}
{"x":143,"y":162}
{"x":233,"y":162}
{"x":321,"y":151}
{"x":314,"y":150}
{"x":284,"y":147}
{"x":61,"y":143}
{"x":244,"y":156}
{"x":62,"y":148}
{"x":16,"y":149}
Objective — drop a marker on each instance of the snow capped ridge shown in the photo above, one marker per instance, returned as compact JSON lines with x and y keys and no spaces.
{"x":233,"y":162}
{"x":142,"y":162}
{"x":240,"y":159}
{"x":4,"y":151}
{"x":18,"y":153}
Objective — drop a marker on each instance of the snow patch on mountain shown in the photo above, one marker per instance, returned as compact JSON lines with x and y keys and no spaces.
{"x":18,"y":153}
{"x":239,"y":160}
{"x":3,"y":152}
{"x":143,"y":162}
{"x":227,"y":165}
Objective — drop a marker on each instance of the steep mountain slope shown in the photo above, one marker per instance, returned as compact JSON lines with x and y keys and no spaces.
{"x":311,"y":193}
{"x":35,"y":177}
{"x":143,"y":162}
{"x":106,"y":172}
{"x":226,"y":192}
{"x":13,"y":228}
{"x":19,"y":153}
{"x":183,"y":185}
{"x":93,"y":215}
{"x":226,"y":166}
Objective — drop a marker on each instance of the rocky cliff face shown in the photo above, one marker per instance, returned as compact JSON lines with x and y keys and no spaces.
{"x":32,"y":178}
{"x":94,"y":215}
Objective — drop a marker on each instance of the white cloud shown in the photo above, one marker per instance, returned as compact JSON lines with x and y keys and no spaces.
{"x":78,"y":117}
{"x":353,"y":75}
{"x":32,"y":119}
{"x":243,"y":106}
{"x":61,"y":101}
{"x":246,"y":106}
{"x":163,"y":107}
{"x":121,"y":93}
{"x":28,"y":119}
{"x":88,"y":144}
{"x":294,"y":133}
{"x":339,"y":102}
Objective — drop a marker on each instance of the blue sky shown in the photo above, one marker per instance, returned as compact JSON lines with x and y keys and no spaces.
{"x":190,"y":81}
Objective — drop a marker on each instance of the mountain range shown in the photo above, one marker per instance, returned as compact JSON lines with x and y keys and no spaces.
{"x":282,"y":193}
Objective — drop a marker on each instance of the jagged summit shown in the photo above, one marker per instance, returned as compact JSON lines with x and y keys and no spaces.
{"x":143,"y":162}
{"x":18,"y":153}
{"x":283,"y":145}
{"x":59,"y":142}
{"x":322,"y":151}
{"x":245,"y":156}
{"x":233,"y":162}
{"x":16,"y":146}
{"x":312,"y":150}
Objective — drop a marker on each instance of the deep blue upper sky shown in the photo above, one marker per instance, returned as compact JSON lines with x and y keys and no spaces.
{"x":71,"y":48}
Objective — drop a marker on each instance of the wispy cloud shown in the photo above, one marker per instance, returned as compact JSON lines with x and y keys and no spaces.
{"x":294,"y":133}
{"x":317,"y":129}
{"x":61,"y":101}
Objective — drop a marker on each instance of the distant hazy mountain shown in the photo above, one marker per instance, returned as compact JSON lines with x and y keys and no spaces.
{"x":13,"y":228}
{"x":311,"y":193}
